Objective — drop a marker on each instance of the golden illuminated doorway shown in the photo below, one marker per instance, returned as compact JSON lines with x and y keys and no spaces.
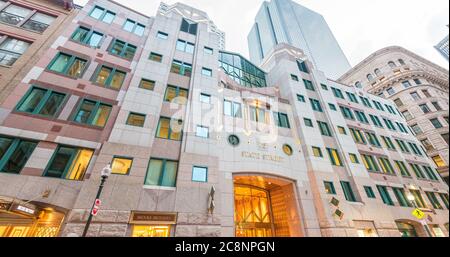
{"x":253,"y":213}
{"x":150,"y":231}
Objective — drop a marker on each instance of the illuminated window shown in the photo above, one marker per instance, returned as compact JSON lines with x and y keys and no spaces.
{"x":181,"y":68}
{"x":136,"y":119}
{"x":287,"y":149}
{"x":147,"y":84}
{"x":259,"y":115}
{"x":342,"y":131}
{"x":403,"y":169}
{"x":69,"y":163}
{"x":401,"y":197}
{"x":334,"y":157}
{"x":151,"y":231}
{"x":69,"y":65}
{"x":354,"y":158}
{"x":329,"y":188}
{"x":370,"y":163}
{"x":109,"y":77}
{"x":317,"y":152}
{"x":93,"y":113}
{"x":357,"y":136}
{"x":121,"y":165}
{"x":386,"y":166}
{"x":170,"y":129}
{"x":122,"y":49}
{"x":439,"y":161}
{"x":176,"y":94}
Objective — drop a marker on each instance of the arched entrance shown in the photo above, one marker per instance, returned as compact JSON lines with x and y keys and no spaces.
{"x":22,"y":219}
{"x":409,"y":228}
{"x":265,"y":206}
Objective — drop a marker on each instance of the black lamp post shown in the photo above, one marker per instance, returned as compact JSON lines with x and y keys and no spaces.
{"x":106,"y":172}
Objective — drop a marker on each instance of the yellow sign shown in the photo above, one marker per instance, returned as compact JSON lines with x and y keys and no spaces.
{"x":418,"y":214}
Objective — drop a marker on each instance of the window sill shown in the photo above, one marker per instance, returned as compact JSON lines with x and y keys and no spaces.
{"x":105,"y":87}
{"x":63,"y":75}
{"x":160,"y":188}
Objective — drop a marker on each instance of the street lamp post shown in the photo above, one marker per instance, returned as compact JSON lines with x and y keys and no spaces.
{"x":412,"y":199}
{"x":106,"y":172}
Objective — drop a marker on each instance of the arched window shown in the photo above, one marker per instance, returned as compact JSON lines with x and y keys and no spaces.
{"x":401,"y":61}
{"x":370,"y":77}
{"x":377,"y":72}
{"x":392,"y":64}
{"x":358,"y":84}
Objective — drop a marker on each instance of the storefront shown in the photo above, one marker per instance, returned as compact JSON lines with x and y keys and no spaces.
{"x":22,"y":219}
{"x":365,"y":228}
{"x":152,"y":224}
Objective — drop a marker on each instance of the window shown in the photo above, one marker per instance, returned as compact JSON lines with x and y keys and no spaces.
{"x":415,"y":149}
{"x":317,"y":152}
{"x":147,"y":84}
{"x":390,"y":91}
{"x":348,"y":114}
{"x":184,"y":46}
{"x":337,"y":93}
{"x":208,"y":50}
{"x":427,"y":144}
{"x":287,"y":149}
{"x":386,"y":166}
{"x":109,"y":77}
{"x":361,"y":116}
{"x":43,"y":102}
{"x":401,"y":197}
{"x":181,"y":68}
{"x":294,"y":77}
{"x":205,"y":98}
{"x":301,"y":98}
{"x":389,"y":124}
{"x":281,"y":120}
{"x":406,"y":84}
{"x":39,"y":22}
{"x":444,"y":198}
{"x":206,"y":72}
{"x":176,"y":94}
{"x":402,"y":127}
{"x":11,"y":50}
{"x":14,"y":154}
{"x":415,"y":96}
{"x":402,"y":146}
{"x":369,"y":192}
{"x":122,"y":49}
{"x":315,"y":104}
{"x":324,"y":87}
{"x":93,"y":113}
{"x":401,"y":62}
{"x":417,"y":170}
{"x":376,"y":121}
{"x":407,"y":115}
{"x":430,"y":173}
{"x":426,"y":93}
{"x":425,"y":108}
{"x":401,"y":166}
{"x":189,"y":27}
{"x":370,"y":163}
{"x":370,"y":77}
{"x":358,"y":84}
{"x":418,"y":198}
{"x":342,"y":130}
{"x":385,"y":195}
{"x":302,"y":67}
{"x":69,"y":163}
{"x":162,"y":35}
{"x":136,"y":119}
{"x":365,"y":101}
{"x":16,"y":15}
{"x":358,"y":136}
{"x":308,"y":122}
{"x":392,"y":64}
{"x":232,"y":109}
{"x":324,"y":129}
{"x":169,"y":129}
{"x":202,"y":132}
{"x":259,"y":115}
{"x":352,"y":97}
{"x":417,"y":81}
{"x":69,"y":65}
{"x":445,"y":137}
{"x":199,"y":174}
{"x":437,"y":106}
{"x":101,"y":14}
{"x":121,"y":165}
{"x":334,"y":157}
{"x":132,"y":26}
{"x":155,"y":57}
{"x":353,"y":158}
{"x":436,"y":123}
{"x":388,"y":142}
{"x":439,"y":161}
{"x":88,"y":37}
{"x":332,"y":107}
{"x":161,"y":173}
{"x":378,"y":105}
{"x":329,"y":188}
{"x":434,"y":201}
{"x":398,"y":102}
{"x":309,"y":85}
{"x":348,"y":191}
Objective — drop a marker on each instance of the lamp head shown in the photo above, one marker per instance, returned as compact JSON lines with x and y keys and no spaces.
{"x":411,"y":197}
{"x":106,"y":171}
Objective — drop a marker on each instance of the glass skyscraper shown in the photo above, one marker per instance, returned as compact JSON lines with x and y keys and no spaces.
{"x":284,"y":21}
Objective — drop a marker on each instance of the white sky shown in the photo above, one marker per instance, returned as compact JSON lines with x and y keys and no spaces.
{"x":360,"y":26}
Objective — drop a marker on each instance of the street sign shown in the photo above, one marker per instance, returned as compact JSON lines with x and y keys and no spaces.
{"x":98,"y":202}
{"x":95,"y":211}
{"x":418,"y":214}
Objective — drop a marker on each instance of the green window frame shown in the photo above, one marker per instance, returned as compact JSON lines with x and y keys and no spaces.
{"x":348,"y":114}
{"x":415,"y":149}
{"x":369,"y":192}
{"x":376,"y":121}
{"x":389,"y":124}
{"x":402,"y":127}
{"x":136,"y":119}
{"x":417,"y":170}
{"x":402,"y":146}
{"x":173,"y":92}
{"x":14,"y":154}
{"x":317,"y":152}
{"x":353,"y":158}
{"x":332,"y":107}
{"x":161,"y":172}
{"x":358,"y":136}
{"x":122,"y":49}
{"x":181,"y":68}
{"x":329,"y":187}
{"x":445,"y":200}
{"x":337,"y":93}
{"x":352,"y":97}
{"x":418,"y":199}
{"x":335,"y":157}
{"x":93,"y":113}
{"x":386,"y":166}
{"x":43,"y":102}
{"x":361,"y":116}
{"x":324,"y":129}
{"x":434,"y":201}
{"x":324,"y":87}
{"x":102,"y":14}
{"x":128,"y":164}
{"x":166,"y":131}
{"x":402,"y":199}
{"x":133,"y":27}
{"x":378,"y":106}
{"x":200,"y":174}
{"x":373,"y":139}
{"x":281,"y":120}
{"x":302,"y":67}
{"x":69,"y":65}
{"x":348,"y":191}
{"x":401,"y":166}
{"x":389,"y":144}
{"x":315,"y":104}
{"x":430,"y":173}
{"x":370,"y":163}
{"x":366,"y":102}
{"x":87,"y":37}
{"x":301,"y":98}
{"x":294,"y":78}
{"x":308,"y":122}
{"x":385,"y":195}
{"x":68,"y":163}
{"x":109,"y":77}
{"x":309,"y":85}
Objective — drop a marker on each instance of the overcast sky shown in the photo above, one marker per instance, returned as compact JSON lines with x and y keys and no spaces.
{"x":360,"y":26}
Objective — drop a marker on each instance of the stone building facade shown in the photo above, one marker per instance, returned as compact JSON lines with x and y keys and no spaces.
{"x":420,"y":90}
{"x":201,"y":141}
